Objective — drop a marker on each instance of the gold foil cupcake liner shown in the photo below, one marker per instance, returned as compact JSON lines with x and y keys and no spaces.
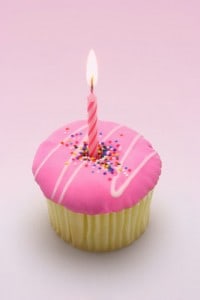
{"x":102,"y":232}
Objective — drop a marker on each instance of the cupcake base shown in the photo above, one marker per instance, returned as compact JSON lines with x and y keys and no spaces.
{"x":103,"y":232}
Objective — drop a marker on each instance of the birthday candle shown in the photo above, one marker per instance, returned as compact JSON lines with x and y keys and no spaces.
{"x":92,"y":105}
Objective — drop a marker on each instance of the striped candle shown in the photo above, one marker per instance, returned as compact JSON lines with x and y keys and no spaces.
{"x":92,"y":72}
{"x":92,"y":125}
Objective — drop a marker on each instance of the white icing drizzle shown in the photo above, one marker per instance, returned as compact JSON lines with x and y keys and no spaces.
{"x":74,"y":174}
{"x":117,"y":193}
{"x":54,"y":150}
{"x":131,"y":146}
{"x":69,"y":182}
{"x":45,"y":160}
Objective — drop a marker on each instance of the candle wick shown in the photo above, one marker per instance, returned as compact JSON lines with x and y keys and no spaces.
{"x":91,"y":86}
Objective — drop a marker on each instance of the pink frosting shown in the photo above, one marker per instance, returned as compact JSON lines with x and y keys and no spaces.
{"x":88,"y":186}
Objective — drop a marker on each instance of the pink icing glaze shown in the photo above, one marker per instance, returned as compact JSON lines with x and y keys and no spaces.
{"x":81,"y":186}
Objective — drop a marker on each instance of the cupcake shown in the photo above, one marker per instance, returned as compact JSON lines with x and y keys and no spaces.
{"x":103,"y":203}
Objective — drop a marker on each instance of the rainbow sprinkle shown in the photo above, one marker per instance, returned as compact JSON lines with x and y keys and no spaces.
{"x":108,"y":160}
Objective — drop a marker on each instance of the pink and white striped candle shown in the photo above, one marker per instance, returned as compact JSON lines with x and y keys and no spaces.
{"x":92,"y":105}
{"x":92,"y":126}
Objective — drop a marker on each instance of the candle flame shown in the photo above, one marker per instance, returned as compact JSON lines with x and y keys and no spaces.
{"x":92,"y":69}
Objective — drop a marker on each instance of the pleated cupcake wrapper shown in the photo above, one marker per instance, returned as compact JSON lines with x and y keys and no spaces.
{"x":103,"y":232}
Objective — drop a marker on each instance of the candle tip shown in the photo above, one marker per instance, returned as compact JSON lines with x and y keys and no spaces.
{"x":92,"y":85}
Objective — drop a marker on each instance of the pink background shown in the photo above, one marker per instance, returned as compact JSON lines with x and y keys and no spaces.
{"x":149,"y":79}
